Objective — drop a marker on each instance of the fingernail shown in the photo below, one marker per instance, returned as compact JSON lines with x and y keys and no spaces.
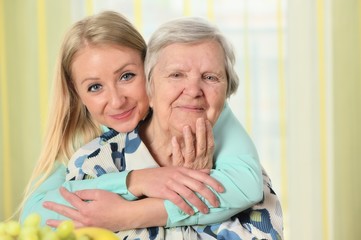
{"x":205,"y":210}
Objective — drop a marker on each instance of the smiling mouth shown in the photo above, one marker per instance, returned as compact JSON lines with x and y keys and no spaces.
{"x":191,"y":108}
{"x":123,"y":114}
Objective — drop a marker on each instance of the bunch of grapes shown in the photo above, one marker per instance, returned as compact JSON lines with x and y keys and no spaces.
{"x":31,"y":230}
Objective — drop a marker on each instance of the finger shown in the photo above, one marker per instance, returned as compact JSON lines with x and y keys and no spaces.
{"x":177,"y":157}
{"x":204,"y":177}
{"x":201,"y":137}
{"x":189,"y":150}
{"x":179,"y":201}
{"x":198,"y":187}
{"x":55,"y":223}
{"x":72,"y":198}
{"x":188,"y":195}
{"x":66,"y":211}
{"x":88,"y":194}
{"x":210,"y":137}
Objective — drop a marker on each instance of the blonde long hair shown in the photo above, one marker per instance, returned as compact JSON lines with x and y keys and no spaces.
{"x":69,"y":124}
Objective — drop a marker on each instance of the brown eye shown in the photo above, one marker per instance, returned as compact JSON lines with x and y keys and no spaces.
{"x":176,"y":75}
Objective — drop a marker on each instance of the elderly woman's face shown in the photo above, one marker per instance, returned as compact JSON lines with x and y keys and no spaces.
{"x":189,"y":82}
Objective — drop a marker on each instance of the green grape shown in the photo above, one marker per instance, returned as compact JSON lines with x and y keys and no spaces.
{"x":28,"y":236}
{"x":32,"y":220}
{"x":65,"y":229}
{"x":44,"y":230}
{"x":13,"y":228}
{"x":28,"y":233}
{"x":51,"y":236}
{"x":29,"y":230}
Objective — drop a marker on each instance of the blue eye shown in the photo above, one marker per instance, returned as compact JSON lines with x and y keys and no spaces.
{"x":95,"y":88}
{"x":126,"y":76}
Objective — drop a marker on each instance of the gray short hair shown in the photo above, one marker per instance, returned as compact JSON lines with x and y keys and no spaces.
{"x":188,"y":30}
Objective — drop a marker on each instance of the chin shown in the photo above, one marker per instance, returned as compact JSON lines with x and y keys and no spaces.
{"x":125,"y":128}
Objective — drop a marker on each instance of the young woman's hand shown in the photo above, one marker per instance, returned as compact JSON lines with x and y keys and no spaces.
{"x":100,"y":208}
{"x":195,"y":152}
{"x":176,"y":184}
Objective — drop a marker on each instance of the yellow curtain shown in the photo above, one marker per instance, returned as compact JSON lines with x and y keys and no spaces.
{"x":346,"y":62}
{"x":30,"y":32}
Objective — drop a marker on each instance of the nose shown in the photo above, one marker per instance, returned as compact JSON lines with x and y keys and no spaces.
{"x":193,"y":86}
{"x":116,"y":98}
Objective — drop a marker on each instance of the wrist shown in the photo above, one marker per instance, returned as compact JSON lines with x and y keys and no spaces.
{"x":132,"y":180}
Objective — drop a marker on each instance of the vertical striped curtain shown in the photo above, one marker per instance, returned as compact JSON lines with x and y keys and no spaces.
{"x":30,"y":34}
{"x":299,"y":95}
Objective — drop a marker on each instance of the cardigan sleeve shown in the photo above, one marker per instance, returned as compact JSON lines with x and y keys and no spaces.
{"x":236,"y":166}
{"x":49,"y":191}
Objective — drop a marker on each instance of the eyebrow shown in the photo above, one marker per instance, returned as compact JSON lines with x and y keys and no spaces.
{"x":115,"y":72}
{"x":88,"y":79}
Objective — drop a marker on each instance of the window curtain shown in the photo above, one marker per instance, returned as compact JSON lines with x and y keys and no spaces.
{"x":299,"y":96}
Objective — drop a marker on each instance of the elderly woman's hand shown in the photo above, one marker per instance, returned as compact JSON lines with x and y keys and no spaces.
{"x":195,"y":152}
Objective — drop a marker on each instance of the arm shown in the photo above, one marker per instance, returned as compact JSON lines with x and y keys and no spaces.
{"x":107,"y":210}
{"x":237,"y":167}
{"x":114,"y":183}
{"x":49,"y":191}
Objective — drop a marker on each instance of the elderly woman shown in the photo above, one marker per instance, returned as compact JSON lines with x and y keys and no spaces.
{"x":189,"y":67}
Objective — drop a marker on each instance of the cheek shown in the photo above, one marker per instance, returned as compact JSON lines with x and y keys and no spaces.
{"x":93,"y":104}
{"x":216,"y":107}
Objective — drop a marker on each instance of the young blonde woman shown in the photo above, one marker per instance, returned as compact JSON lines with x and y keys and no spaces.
{"x":248,"y":161}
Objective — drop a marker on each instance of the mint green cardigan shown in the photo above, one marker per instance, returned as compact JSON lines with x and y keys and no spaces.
{"x":237,"y":167}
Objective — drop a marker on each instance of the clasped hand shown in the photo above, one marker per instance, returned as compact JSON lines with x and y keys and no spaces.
{"x":191,"y":160}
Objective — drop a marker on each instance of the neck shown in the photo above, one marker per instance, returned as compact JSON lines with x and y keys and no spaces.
{"x":158,"y":142}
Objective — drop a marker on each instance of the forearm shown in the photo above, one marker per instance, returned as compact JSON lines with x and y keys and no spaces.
{"x":243,"y":189}
{"x":147,"y":212}
{"x":49,"y":191}
{"x":115,"y":182}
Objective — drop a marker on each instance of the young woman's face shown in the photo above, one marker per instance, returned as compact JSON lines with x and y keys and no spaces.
{"x":189,"y":82}
{"x":110,"y":82}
